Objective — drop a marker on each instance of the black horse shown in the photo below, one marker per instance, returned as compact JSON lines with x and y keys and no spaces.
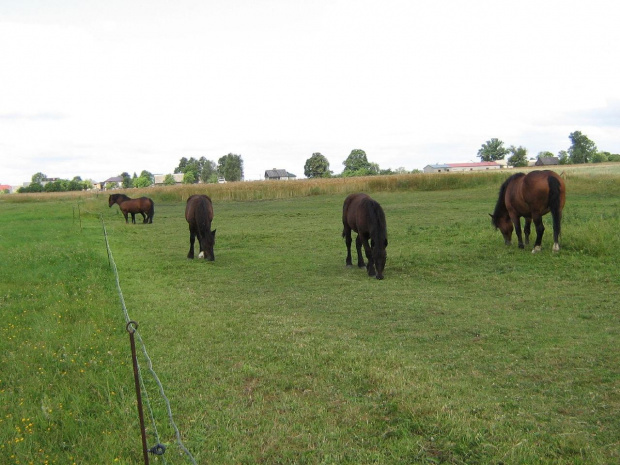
{"x":199,"y":215}
{"x":143,"y":205}
{"x":365,"y":216}
{"x":530,"y":196}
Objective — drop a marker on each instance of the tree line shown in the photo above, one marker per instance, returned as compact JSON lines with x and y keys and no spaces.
{"x":582,"y":150}
{"x":230,"y":166}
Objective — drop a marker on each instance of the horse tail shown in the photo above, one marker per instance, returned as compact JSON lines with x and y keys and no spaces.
{"x":151,"y":211}
{"x":554,"y":204}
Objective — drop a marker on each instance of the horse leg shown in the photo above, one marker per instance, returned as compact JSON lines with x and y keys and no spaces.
{"x":192,"y":237}
{"x":144,"y":217}
{"x":346,"y":233}
{"x":371,"y":264}
{"x":527,"y":229}
{"x":126,"y":215}
{"x":540,"y":229}
{"x":517,"y":223}
{"x":358,"y":246}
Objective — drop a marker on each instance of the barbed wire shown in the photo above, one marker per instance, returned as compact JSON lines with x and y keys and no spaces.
{"x":149,"y":362}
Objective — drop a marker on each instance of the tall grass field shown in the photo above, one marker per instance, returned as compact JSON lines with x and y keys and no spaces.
{"x":468,"y":352}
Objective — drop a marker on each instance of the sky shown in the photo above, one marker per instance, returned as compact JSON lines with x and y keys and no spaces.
{"x":96,"y":88}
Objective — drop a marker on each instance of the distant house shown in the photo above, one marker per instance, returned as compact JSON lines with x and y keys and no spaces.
{"x":436,"y":168}
{"x":161,"y":178}
{"x":5,"y":188}
{"x":457,"y":167}
{"x":278,"y":175}
{"x":547,"y":161}
{"x":101,"y":185}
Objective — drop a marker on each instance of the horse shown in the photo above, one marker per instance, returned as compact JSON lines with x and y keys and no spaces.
{"x":199,"y":215}
{"x":530,"y":196}
{"x":143,"y":205}
{"x":365,"y":216}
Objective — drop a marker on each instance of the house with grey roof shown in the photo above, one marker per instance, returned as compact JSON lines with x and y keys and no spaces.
{"x":278,"y":175}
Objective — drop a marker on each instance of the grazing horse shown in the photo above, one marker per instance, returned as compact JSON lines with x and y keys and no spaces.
{"x":143,"y":205}
{"x":530,"y":196}
{"x":365,"y":216}
{"x":199,"y":215}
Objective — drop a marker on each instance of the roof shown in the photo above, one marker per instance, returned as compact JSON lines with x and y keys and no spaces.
{"x":547,"y":161}
{"x":278,"y":174}
{"x":437,"y":166}
{"x":467,"y":165}
{"x":114,"y":179}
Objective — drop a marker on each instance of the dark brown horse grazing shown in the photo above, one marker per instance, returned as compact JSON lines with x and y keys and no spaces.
{"x":530,"y":196}
{"x":143,"y":205}
{"x":365,"y":216}
{"x":199,"y":215}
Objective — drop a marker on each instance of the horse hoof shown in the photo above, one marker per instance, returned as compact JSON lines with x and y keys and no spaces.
{"x":556,"y":247}
{"x":201,"y":255}
{"x":536,"y":249}
{"x":379,"y":277}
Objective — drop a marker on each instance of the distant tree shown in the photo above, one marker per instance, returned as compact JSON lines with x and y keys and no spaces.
{"x":356,"y":161}
{"x":615,"y":157}
{"x":169,"y":180}
{"x":230,"y":167}
{"x":142,"y":181}
{"x":182,"y":164}
{"x":582,"y":149}
{"x":127,"y":182}
{"x":600,"y":157}
{"x":148,"y":175}
{"x":492,"y":150}
{"x":545,"y":154}
{"x":519,"y":156}
{"x":190,"y":177}
{"x":317,"y":166}
{"x":208,"y":170}
{"x":38,"y":177}
{"x":563,"y":157}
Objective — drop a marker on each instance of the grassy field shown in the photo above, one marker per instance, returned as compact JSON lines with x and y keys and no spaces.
{"x":467,"y":352}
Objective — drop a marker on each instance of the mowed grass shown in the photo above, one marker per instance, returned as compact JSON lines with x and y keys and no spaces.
{"x":467,"y":352}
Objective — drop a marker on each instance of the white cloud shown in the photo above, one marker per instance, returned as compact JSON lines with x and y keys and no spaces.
{"x":138,"y":85}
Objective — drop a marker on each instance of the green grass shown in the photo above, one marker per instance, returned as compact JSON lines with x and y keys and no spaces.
{"x":467,"y":352}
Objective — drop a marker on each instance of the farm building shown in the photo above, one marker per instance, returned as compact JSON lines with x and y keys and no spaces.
{"x":547,"y":161}
{"x":275,"y":175}
{"x":160,"y":178}
{"x":456,"y":167}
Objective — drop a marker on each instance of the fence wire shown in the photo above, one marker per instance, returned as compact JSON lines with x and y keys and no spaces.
{"x":149,"y":364}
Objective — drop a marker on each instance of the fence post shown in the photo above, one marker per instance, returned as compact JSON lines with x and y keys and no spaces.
{"x":131,"y":327}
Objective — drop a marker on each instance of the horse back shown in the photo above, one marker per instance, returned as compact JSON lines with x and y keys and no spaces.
{"x":198,"y":209}
{"x":353,"y":212}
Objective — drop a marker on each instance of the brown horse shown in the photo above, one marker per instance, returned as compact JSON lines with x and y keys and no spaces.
{"x":143,"y":205}
{"x":530,"y":196}
{"x":365,"y":216}
{"x":199,"y":215}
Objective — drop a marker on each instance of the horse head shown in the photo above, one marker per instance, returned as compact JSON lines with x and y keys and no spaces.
{"x":379,"y":256}
{"x":504,"y":224}
{"x":206,"y":246}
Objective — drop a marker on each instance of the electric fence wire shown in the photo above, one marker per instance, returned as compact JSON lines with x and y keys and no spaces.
{"x":146,"y":356}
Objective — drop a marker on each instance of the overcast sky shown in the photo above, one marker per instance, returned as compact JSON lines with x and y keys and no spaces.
{"x":96,"y":88}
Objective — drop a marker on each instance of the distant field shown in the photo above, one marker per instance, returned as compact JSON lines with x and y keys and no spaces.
{"x":467,"y":352}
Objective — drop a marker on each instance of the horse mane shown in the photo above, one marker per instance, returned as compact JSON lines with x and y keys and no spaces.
{"x":121,"y":196}
{"x":378,"y":228}
{"x":500,"y":206}
{"x":202,"y":217}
